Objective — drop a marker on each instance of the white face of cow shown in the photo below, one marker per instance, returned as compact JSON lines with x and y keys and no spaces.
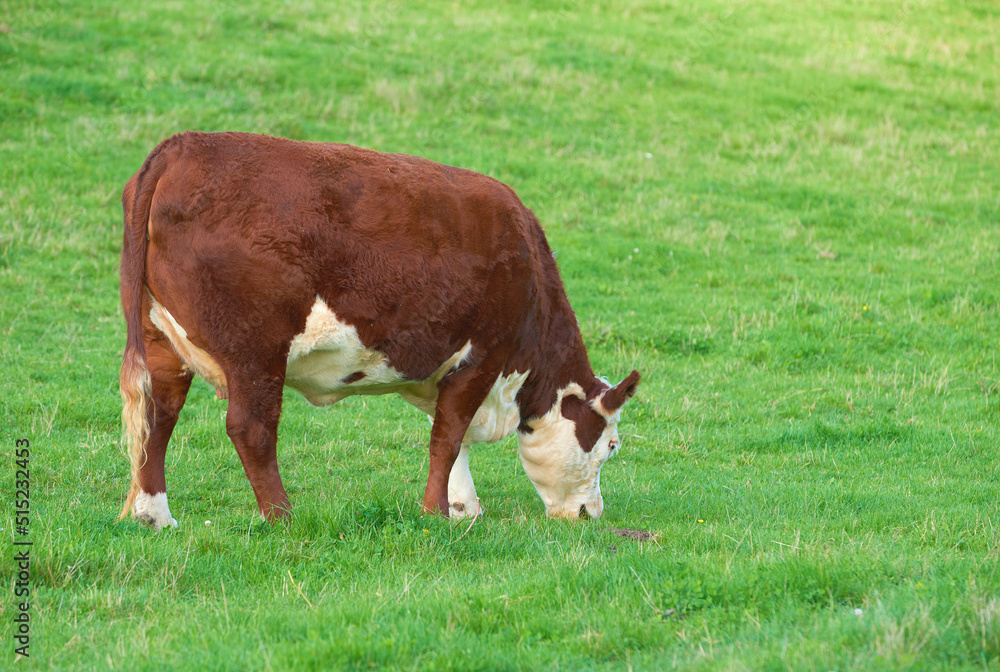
{"x":564,"y":453}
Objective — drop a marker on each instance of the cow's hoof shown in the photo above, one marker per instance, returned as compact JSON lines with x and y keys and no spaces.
{"x":147,"y":518}
{"x":459,"y":510}
{"x":153,"y":510}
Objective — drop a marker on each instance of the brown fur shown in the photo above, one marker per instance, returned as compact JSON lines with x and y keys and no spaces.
{"x":589,"y":424}
{"x":615,"y":398}
{"x":245,"y":231}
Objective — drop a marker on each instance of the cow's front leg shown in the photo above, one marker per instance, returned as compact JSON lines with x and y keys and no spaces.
{"x":460,"y":394}
{"x":462,"y":500}
{"x":252,"y":424}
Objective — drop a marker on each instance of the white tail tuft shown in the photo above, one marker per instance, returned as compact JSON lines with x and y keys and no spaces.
{"x":136,"y":386}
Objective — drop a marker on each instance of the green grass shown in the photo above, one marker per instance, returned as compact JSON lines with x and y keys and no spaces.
{"x":785,"y":215}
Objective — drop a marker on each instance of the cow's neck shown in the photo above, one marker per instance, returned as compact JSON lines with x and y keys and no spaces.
{"x":559,"y":359}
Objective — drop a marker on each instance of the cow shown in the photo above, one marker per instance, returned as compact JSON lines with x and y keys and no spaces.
{"x":258,"y":262}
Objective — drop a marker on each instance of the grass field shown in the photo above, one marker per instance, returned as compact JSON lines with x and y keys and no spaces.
{"x":786,"y":217}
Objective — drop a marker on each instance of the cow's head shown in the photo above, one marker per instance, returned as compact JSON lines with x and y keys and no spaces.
{"x":565,"y":449}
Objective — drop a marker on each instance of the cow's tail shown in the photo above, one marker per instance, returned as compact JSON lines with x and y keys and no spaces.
{"x":135,"y":382}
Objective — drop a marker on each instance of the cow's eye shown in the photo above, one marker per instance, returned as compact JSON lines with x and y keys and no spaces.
{"x":612,"y":444}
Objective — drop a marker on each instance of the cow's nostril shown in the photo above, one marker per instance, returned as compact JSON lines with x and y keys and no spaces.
{"x":583,"y":512}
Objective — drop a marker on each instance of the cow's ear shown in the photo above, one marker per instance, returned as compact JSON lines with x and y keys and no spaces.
{"x":615,"y":398}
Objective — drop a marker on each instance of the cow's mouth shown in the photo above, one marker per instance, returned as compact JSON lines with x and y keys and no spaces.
{"x":583,"y":512}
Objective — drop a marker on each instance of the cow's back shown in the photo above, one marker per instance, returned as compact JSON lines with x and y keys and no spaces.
{"x":419,"y":257}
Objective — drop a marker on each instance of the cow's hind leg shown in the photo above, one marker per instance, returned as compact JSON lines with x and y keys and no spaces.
{"x":462,"y":500}
{"x":252,"y":424}
{"x":169,"y":385}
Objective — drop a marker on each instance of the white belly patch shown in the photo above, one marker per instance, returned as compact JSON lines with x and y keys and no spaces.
{"x":328,"y":362}
{"x":330,"y":351}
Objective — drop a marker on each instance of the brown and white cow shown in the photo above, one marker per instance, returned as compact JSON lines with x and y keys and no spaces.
{"x":259,"y":262}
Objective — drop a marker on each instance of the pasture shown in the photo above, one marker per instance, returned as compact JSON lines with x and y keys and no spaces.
{"x":784,"y":216}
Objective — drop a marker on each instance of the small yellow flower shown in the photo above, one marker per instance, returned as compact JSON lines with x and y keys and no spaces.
{"x":427,"y":532}
{"x":864,"y":307}
{"x":700,"y":520}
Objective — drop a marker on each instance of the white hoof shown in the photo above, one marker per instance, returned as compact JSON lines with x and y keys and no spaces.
{"x":459,"y":510}
{"x":153,"y":510}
